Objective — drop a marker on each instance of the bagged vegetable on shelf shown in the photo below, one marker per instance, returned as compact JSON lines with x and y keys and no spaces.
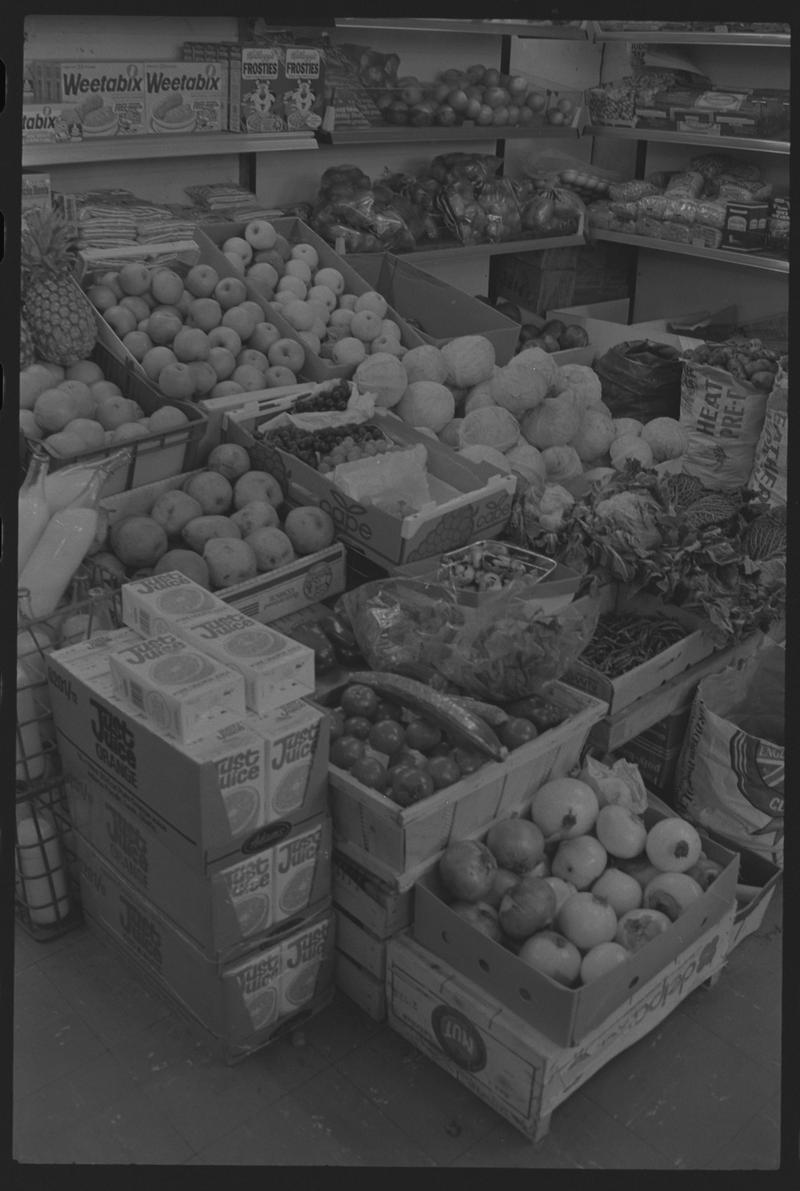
{"x":641,"y":379}
{"x":549,"y":210}
{"x":366,"y":221}
{"x":463,"y":167}
{"x":394,"y":621}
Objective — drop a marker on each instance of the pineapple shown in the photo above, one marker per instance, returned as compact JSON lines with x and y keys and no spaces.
{"x":60,"y":322}
{"x":27,"y":352}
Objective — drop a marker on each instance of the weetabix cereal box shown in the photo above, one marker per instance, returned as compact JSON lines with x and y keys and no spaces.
{"x":108,"y":97}
{"x":175,"y":685}
{"x":50,"y":123}
{"x":281,"y":88}
{"x":186,"y":97}
{"x":276,"y":669}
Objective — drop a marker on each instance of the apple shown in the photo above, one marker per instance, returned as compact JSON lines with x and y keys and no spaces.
{"x":580,"y":860}
{"x":673,"y":845}
{"x":458,"y":99}
{"x":136,"y":305}
{"x":412,"y":93}
{"x":482,"y":916}
{"x":263,"y":336}
{"x":134,"y":278}
{"x":230,"y":291}
{"x":554,"y":116}
{"x":495,"y":97}
{"x":564,"y":808}
{"x":309,"y":529}
{"x":485,"y":115}
{"x":287,"y":353}
{"x":622,"y":891}
{"x":602,"y":958}
{"x":503,"y":881}
{"x":528,"y":906}
{"x":536,"y":101}
{"x":349,"y":351}
{"x":253,"y":357}
{"x":671,"y":893}
{"x":290,"y":283}
{"x":516,"y":844}
{"x":121,"y":319}
{"x":270,"y":256}
{"x":517,"y":86}
{"x":264,"y":277}
{"x":327,"y":297}
{"x":621,"y":832}
{"x":298,"y":268}
{"x":466,"y":869}
{"x":307,"y":253}
{"x":586,"y":920}
{"x":205,"y":313}
{"x":348,"y":301}
{"x":332,"y":279}
{"x":238,"y":246}
{"x":228,"y":338}
{"x":251,"y":379}
{"x":279,"y":376}
{"x":476,"y":73}
{"x":638,"y":927}
{"x":260,"y":234}
{"x":473,"y":108}
{"x":552,"y":955}
{"x":501,"y":115}
{"x":299,"y":315}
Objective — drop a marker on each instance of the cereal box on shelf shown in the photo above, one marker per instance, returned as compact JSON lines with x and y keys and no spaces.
{"x":280,"y":88}
{"x":186,"y":97}
{"x":108,"y":98}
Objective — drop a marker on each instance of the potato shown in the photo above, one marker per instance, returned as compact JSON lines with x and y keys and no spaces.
{"x":200,"y":530}
{"x":137,"y":541}
{"x":229,"y":561}
{"x":257,"y":514}
{"x":188,"y":562}
{"x":230,"y":459}
{"x":271,"y":547}
{"x":211,"y":490}
{"x":257,"y":485}
{"x":173,"y":509}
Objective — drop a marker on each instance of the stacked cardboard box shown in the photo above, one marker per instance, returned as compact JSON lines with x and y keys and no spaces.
{"x":201,"y":830}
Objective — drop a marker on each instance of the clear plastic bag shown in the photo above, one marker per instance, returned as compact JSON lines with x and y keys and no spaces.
{"x":395,"y":621}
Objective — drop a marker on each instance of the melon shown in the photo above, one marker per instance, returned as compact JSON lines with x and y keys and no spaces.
{"x":666,"y":438}
{"x":469,"y":359}
{"x":426,"y":404}
{"x":383,"y":375}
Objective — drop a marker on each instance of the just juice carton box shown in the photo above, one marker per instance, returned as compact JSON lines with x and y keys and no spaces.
{"x":107,"y":97}
{"x":280,"y":88}
{"x":184,"y":97}
{"x":276,"y":669}
{"x":211,"y":801}
{"x":243,"y":1002}
{"x":155,"y":603}
{"x":177,"y":686}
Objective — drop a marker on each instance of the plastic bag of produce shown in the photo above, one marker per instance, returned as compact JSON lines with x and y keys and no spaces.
{"x":365,"y":222}
{"x":395,"y":620}
{"x":731,"y":767}
{"x":549,"y":210}
{"x":641,"y":379}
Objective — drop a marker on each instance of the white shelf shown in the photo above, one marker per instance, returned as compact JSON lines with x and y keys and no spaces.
{"x":485,"y":28}
{"x":688,"y":37}
{"x":714,"y":143}
{"x":478,"y":251}
{"x":723,"y":256}
{"x":145,"y":148}
{"x":400,"y":133}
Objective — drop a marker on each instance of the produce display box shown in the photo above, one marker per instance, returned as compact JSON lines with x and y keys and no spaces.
{"x":509,"y":1063}
{"x":471,"y":501}
{"x":360,"y":986}
{"x":216,"y":800}
{"x":241,"y":1003}
{"x":211,"y":237}
{"x":442,"y":311}
{"x":153,"y":457}
{"x":266,"y":597}
{"x":615,"y":730}
{"x":398,"y":843}
{"x":286,"y":876}
{"x":376,"y":905}
{"x":619,"y":692}
{"x":568,"y":1015}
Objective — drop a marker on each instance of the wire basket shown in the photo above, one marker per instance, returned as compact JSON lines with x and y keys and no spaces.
{"x":47,"y":902}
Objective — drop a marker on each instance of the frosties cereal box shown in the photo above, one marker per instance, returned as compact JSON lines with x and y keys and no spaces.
{"x":280,"y":88}
{"x":107,"y":97}
{"x":186,"y":97}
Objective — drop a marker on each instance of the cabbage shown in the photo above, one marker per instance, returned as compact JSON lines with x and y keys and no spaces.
{"x":489,"y":426}
{"x":583,"y":381}
{"x":553,"y":423}
{"x":518,"y":389}
{"x":595,"y":435}
{"x":634,"y":513}
{"x":562,"y":463}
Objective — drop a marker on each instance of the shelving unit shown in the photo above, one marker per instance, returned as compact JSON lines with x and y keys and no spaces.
{"x":723,"y":256}
{"x":482,"y":28}
{"x":401,"y":134}
{"x":146,"y":148}
{"x":714,"y":144}
{"x":687,"y":36}
{"x":479,"y":251}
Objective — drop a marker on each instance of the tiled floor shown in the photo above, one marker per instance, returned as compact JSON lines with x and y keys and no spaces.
{"x":107,"y":1073}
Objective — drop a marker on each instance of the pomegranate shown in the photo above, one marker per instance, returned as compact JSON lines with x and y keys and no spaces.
{"x":586,"y":920}
{"x":638,"y":927}
{"x":482,"y":916}
{"x":516,"y":844}
{"x":550,"y":953}
{"x":673,"y":845}
{"x":564,"y":808}
{"x":601,"y":959}
{"x":527,"y":907}
{"x":671,"y":893}
{"x":580,"y":860}
{"x":503,"y":881}
{"x":620,"y":831}
{"x":466,"y":869}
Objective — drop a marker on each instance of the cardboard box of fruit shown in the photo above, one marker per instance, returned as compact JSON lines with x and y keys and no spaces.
{"x":88,"y":410}
{"x":397,"y":835}
{"x":146,"y":529}
{"x":467,"y":500}
{"x":592,"y":902}
{"x":326,"y":339}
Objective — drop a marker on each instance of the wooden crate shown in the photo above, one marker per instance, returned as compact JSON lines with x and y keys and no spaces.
{"x":378,"y":907}
{"x":398,"y":843}
{"x":362,"y":987}
{"x":504,"y":1060}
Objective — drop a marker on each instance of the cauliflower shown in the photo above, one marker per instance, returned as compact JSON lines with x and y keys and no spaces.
{"x":554,"y":502}
{"x":583,"y":381}
{"x":634,"y":513}
{"x":562,"y":463}
{"x":553,"y":423}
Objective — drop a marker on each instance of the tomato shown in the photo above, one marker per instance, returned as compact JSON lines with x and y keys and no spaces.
{"x":543,"y":713}
{"x":422,"y":735}
{"x":359,"y":699}
{"x":357,"y":725}
{"x":516,"y":731}
{"x":407,"y":756}
{"x":443,"y":771}
{"x":387,"y":711}
{"x":387,"y":736}
{"x":346,"y":751}
{"x":467,"y":760}
{"x":336,"y":720}
{"x":370,"y":771}
{"x":410,"y":784}
{"x":443,"y":749}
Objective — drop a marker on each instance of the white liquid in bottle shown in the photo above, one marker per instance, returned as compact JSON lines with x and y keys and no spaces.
{"x":40,"y":866}
{"x":56,"y":557}
{"x":33,"y":511}
{"x":30,"y":753}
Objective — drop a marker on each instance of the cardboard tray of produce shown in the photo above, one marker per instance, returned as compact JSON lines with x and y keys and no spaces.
{"x":647,"y":676}
{"x":398,"y":843}
{"x":471,"y":501}
{"x":211,"y":237}
{"x":268,"y":596}
{"x":155,"y":456}
{"x":441,"y":311}
{"x":566,"y":1015}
